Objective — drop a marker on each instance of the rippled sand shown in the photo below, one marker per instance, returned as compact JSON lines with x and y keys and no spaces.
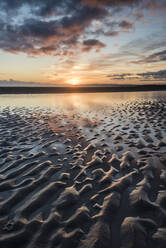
{"x":93,"y":178}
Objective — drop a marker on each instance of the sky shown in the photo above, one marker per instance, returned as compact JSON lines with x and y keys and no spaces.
{"x":78,"y":42}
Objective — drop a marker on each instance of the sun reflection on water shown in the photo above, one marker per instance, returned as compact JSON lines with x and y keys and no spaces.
{"x":75,"y":101}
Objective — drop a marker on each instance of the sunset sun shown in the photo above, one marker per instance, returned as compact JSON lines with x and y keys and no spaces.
{"x":83,"y":123}
{"x":73,"y":81}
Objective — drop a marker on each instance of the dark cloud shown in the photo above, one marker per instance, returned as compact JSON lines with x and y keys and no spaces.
{"x":56,"y":35}
{"x":158,"y":75}
{"x":58,"y":26}
{"x":153,"y":58}
{"x":121,"y":76}
{"x":156,"y":57}
{"x":46,"y":6}
{"x":83,"y":18}
{"x":39,"y":29}
{"x":92,"y":44}
{"x":93,"y":3}
{"x":145,"y":76}
{"x":125,"y":24}
{"x":112,"y":33}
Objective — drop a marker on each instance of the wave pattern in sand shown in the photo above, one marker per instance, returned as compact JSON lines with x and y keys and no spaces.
{"x":94,"y":179}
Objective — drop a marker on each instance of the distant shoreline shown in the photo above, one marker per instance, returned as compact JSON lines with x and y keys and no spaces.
{"x":80,"y":89}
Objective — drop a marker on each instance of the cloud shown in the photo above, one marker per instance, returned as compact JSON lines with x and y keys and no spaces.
{"x":155,"y":5}
{"x":145,"y":76}
{"x":158,"y":75}
{"x":100,"y":3}
{"x":92,"y":44}
{"x":156,"y":40}
{"x":125,"y":24}
{"x":112,"y":28}
{"x":48,"y":5}
{"x":121,"y":76}
{"x":153,"y":58}
{"x":11,"y":83}
{"x":50,"y":36}
{"x":58,"y":27}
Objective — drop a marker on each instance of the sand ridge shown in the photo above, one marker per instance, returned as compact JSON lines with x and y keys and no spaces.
{"x":91,"y":179}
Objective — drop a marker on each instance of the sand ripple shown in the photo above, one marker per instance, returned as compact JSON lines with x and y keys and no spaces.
{"x":85,"y":179}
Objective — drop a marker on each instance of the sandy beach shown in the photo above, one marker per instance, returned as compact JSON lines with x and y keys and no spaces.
{"x":91,"y":177}
{"x":82,"y":124}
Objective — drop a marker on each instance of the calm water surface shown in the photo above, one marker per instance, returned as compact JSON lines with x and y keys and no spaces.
{"x":76,"y":101}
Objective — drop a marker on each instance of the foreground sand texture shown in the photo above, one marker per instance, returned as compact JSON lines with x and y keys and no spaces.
{"x":92,"y":180}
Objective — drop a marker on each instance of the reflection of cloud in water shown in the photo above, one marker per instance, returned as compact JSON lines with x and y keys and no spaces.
{"x":75,"y":101}
{"x":57,"y":165}
{"x":85,"y":112}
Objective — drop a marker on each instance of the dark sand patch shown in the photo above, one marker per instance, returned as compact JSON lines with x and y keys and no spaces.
{"x":95,"y":179}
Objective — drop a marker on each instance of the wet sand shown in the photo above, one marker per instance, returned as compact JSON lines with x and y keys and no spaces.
{"x":92,"y":179}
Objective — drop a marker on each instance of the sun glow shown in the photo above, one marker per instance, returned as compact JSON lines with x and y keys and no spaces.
{"x":74,"y":81}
